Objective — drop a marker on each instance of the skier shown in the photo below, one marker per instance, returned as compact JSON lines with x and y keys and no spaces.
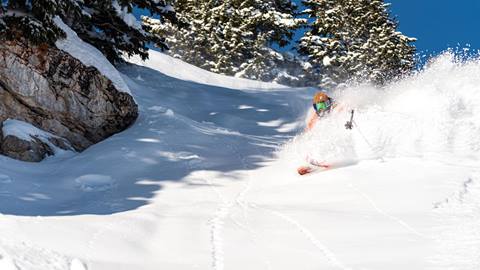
{"x":323,"y":105}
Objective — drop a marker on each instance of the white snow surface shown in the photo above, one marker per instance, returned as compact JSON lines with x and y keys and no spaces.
{"x":206,"y":179}
{"x":176,"y":68}
{"x":89,"y":55}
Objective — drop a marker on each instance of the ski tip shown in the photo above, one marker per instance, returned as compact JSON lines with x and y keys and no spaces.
{"x":307,"y":169}
{"x":303,"y":170}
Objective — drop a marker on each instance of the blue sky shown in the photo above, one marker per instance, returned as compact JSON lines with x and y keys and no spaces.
{"x":439,"y":24}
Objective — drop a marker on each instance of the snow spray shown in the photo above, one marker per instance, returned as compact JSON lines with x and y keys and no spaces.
{"x":434,"y":113}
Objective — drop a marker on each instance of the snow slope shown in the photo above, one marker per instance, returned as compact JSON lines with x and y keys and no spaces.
{"x":206,"y":179}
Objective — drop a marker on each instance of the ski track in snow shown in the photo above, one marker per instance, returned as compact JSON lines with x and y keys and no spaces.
{"x":243,"y":204}
{"x":95,"y":237}
{"x":457,"y":235}
{"x":327,"y":253}
{"x":218,"y":221}
{"x":224,"y":209}
{"x":385,"y":214}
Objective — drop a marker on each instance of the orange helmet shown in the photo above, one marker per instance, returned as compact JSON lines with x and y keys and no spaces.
{"x":320,"y":97}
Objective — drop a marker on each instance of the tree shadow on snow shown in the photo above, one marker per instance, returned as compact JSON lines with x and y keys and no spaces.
{"x":183,"y":127}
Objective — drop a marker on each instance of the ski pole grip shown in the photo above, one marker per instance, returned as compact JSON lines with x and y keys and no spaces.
{"x":349,"y":124}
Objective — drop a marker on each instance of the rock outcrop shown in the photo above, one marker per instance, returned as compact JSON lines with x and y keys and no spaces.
{"x":23,"y":141}
{"x":34,"y":150}
{"x":55,"y":92}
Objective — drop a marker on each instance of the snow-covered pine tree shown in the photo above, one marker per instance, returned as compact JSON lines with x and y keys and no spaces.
{"x":29,"y":19}
{"x":232,"y":37}
{"x":3,"y":26}
{"x":354,"y":40}
{"x":109,"y":25}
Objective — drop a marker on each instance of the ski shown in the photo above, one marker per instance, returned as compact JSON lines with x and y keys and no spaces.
{"x":302,"y":170}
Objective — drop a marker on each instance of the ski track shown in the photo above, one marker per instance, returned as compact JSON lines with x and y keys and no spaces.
{"x":457,"y":237}
{"x":222,"y":211}
{"x":225,"y":207}
{"x":218,"y":252}
{"x":216,"y":225}
{"x":243,"y":204}
{"x":331,"y":257}
{"x":385,"y":214}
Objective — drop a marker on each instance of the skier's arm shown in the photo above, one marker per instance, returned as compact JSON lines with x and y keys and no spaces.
{"x":312,"y":120}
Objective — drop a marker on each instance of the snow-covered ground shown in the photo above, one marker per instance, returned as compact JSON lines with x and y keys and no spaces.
{"x":206,"y":179}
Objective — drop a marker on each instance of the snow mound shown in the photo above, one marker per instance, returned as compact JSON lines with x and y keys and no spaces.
{"x":174,"y":157}
{"x":184,"y":71}
{"x":89,"y":55}
{"x":95,"y":182}
{"x":28,"y":132}
{"x":5,"y":179}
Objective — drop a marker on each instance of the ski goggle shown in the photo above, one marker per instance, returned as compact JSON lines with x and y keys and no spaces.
{"x":321,"y":106}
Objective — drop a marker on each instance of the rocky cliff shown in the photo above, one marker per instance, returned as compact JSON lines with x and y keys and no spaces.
{"x":55,"y":92}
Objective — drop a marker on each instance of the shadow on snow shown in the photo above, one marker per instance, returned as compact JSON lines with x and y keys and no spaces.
{"x":183,"y":127}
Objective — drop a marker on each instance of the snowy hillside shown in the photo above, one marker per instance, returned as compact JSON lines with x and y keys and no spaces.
{"x":206,"y":179}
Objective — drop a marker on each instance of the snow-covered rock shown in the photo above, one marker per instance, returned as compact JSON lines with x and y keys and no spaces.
{"x":23,"y":141}
{"x":55,"y":92}
{"x":89,"y":55}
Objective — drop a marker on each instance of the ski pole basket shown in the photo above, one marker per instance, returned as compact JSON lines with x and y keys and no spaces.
{"x":349,"y":124}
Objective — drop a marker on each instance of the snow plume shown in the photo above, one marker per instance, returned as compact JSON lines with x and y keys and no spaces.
{"x":434,"y":113}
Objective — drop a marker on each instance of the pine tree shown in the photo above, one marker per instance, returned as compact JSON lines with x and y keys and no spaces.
{"x":354,"y":40}
{"x":232,"y":37}
{"x":3,"y":26}
{"x":107,"y":24}
{"x":29,"y":19}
